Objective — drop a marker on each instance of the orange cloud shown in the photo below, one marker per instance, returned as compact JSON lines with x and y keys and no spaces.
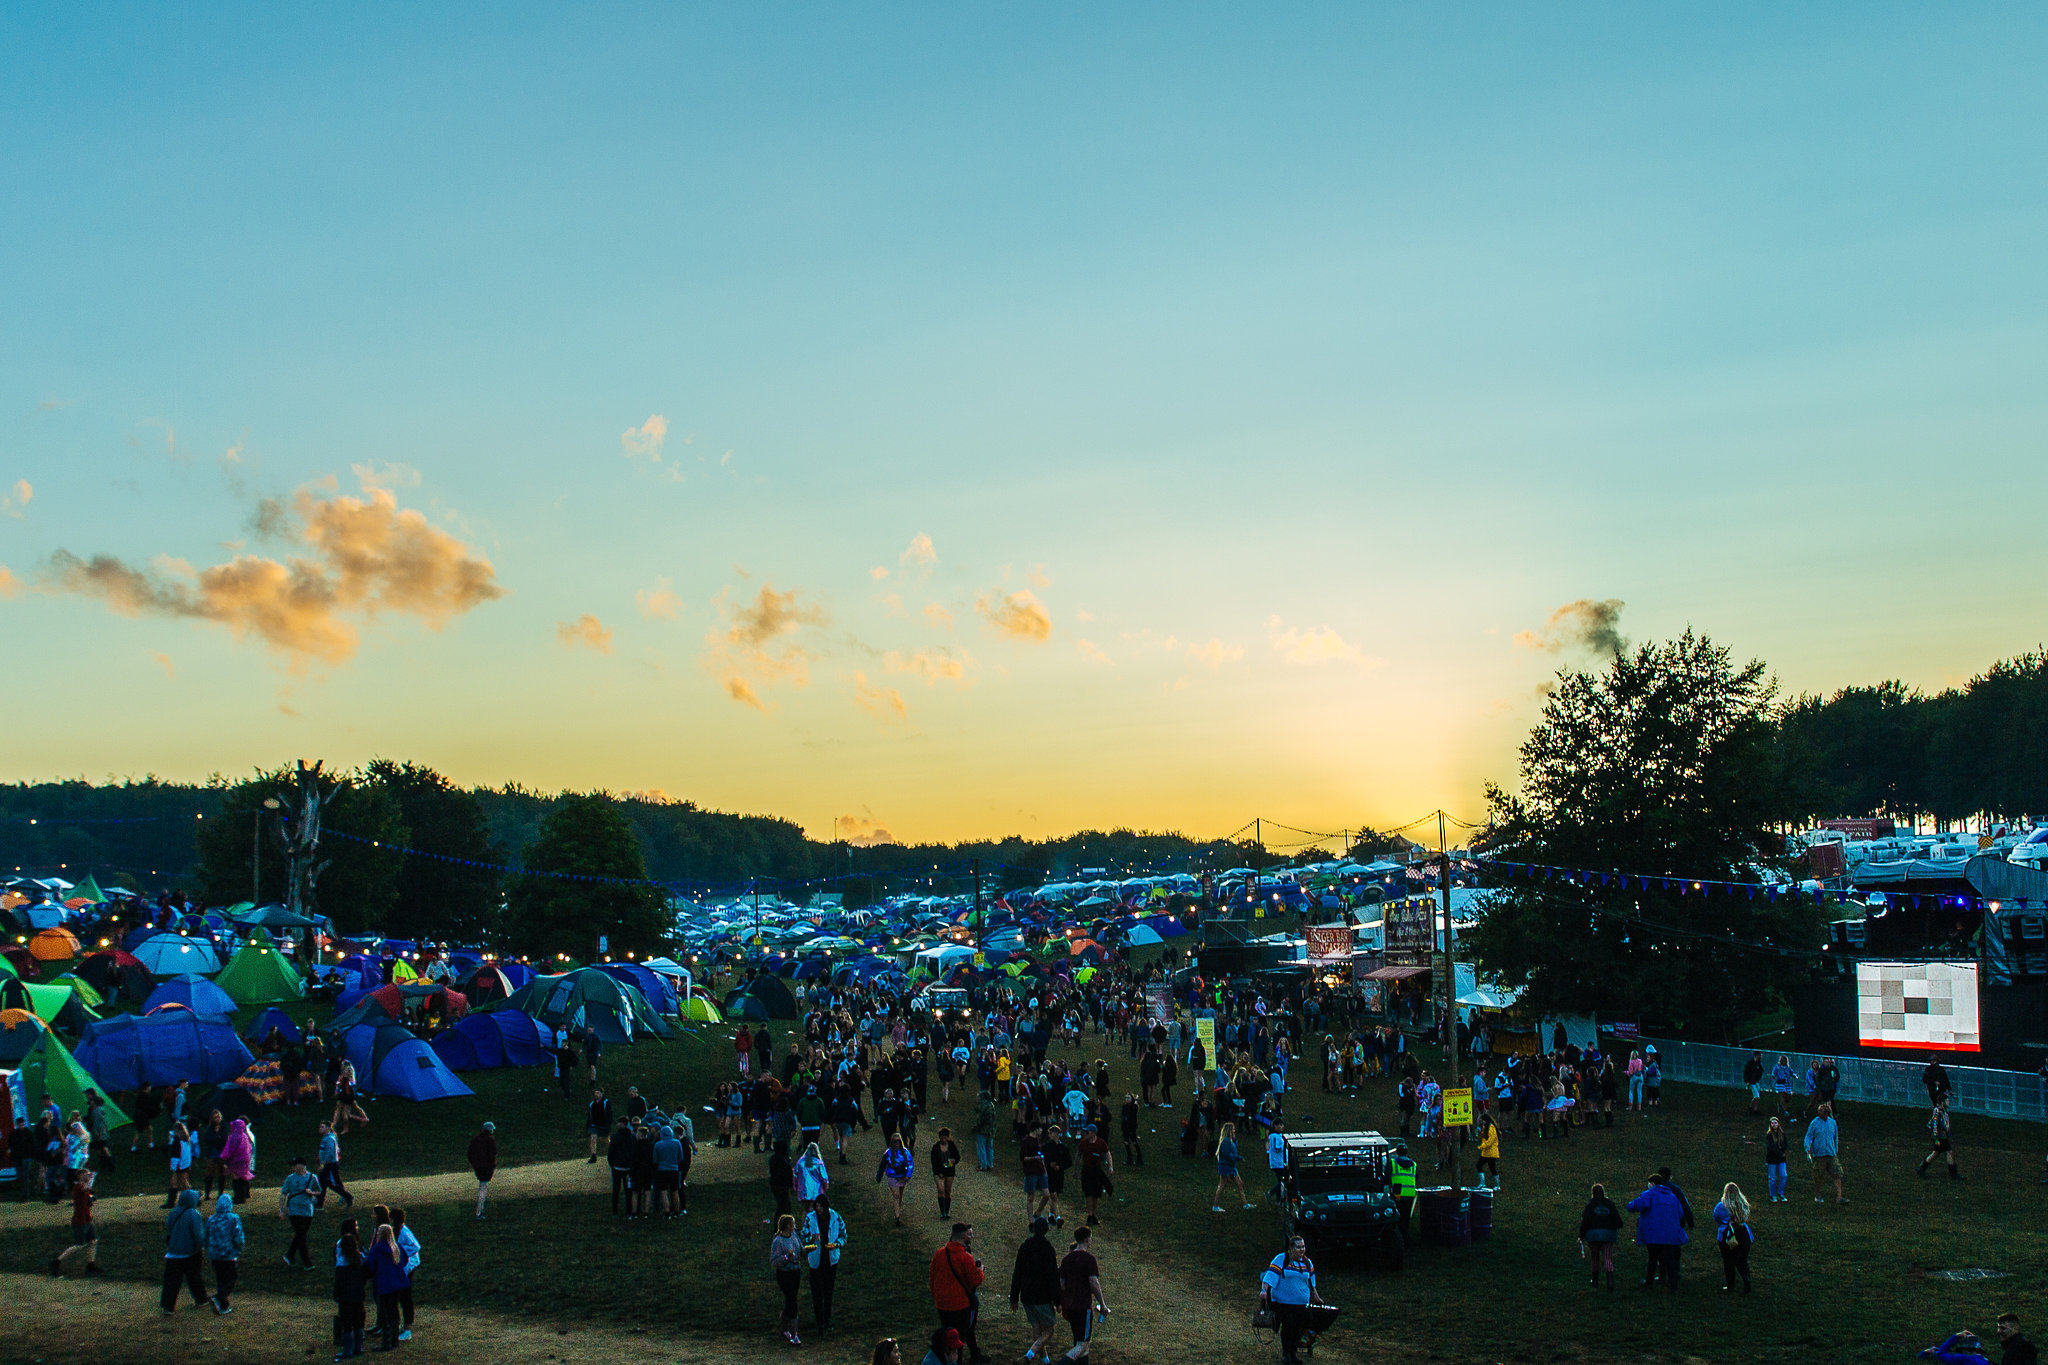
{"x":883,"y":703}
{"x":938,"y":616}
{"x":645,"y":439}
{"x":1316,"y":645}
{"x":1215,"y":653}
{"x":1584,"y":624}
{"x":759,"y":645}
{"x":860,"y":831}
{"x":658,"y":602}
{"x":364,"y":556}
{"x":9,"y":584}
{"x":585,"y":630}
{"x":1089,"y":649}
{"x":934,"y":665}
{"x":165,"y":661}
{"x":1018,"y":615}
{"x":15,"y":502}
{"x":920,"y":554}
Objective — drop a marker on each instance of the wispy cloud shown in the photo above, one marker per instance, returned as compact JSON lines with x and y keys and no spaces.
{"x":936,"y":664}
{"x":585,"y":630}
{"x":879,"y":572}
{"x":938,"y":616}
{"x":1090,"y":650}
{"x":1315,"y":645}
{"x":860,"y":831}
{"x":919,"y":554}
{"x":356,"y":557}
{"x":9,"y":584}
{"x":659,"y":603}
{"x":15,"y":502}
{"x":1018,"y":615}
{"x":1584,"y":624}
{"x":391,"y":476}
{"x":645,"y":439}
{"x":164,"y":661}
{"x":1214,"y":653}
{"x":883,"y":703}
{"x":760,"y":643}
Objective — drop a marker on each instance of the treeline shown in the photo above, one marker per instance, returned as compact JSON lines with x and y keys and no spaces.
{"x":1890,"y":750}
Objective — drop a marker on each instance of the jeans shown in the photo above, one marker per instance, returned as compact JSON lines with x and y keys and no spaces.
{"x":1776,"y":1178}
{"x":1635,"y":1089}
{"x":301,"y":1225}
{"x":822,"y":1278}
{"x":1734,"y":1261}
{"x":330,"y":1179}
{"x":1663,"y":1259}
{"x":182,"y":1270}
{"x":1293,"y":1321}
{"x":985,"y":1150}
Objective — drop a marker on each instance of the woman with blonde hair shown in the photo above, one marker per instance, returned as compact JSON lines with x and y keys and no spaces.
{"x":1732,"y":1231}
{"x":785,"y":1256}
{"x":1227,"y":1168}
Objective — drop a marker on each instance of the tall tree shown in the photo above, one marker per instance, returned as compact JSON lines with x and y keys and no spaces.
{"x":584,"y":836}
{"x":447,"y":897}
{"x":1663,"y":764}
{"x":354,"y":883}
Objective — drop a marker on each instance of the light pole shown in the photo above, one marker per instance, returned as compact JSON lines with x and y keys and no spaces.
{"x":256,"y":850}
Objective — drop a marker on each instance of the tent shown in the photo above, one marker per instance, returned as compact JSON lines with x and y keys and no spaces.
{"x":54,"y":1005}
{"x":87,"y":892}
{"x":587,"y":998}
{"x":54,"y":945}
{"x":81,"y":988}
{"x":486,"y":983}
{"x":273,"y":917}
{"x":132,"y":1050}
{"x":22,"y":962}
{"x":483,"y":1041}
{"x":389,"y":1060}
{"x":661,"y":996}
{"x":744,"y":1007}
{"x":773,"y":994}
{"x":258,"y":975}
{"x":174,"y":955}
{"x":275,"y":1018}
{"x":263,"y":1082}
{"x":18,"y":1033}
{"x":47,"y":1071}
{"x":195,"y":993}
{"x":389,"y":1003}
{"x":702,"y":1008}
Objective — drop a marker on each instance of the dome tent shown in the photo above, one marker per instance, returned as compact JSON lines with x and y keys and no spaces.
{"x":172,"y":954}
{"x":275,"y":1018}
{"x":195,"y":993}
{"x":485,"y":1041}
{"x":19,"y":1031}
{"x":772,"y":993}
{"x":132,"y":1050}
{"x":114,"y":972}
{"x":47,"y":1072}
{"x":389,"y":1060}
{"x":257,"y":975}
{"x":587,"y":998}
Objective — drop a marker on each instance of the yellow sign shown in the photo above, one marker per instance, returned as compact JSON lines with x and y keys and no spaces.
{"x":1205,"y":1034}
{"x":1458,"y":1108}
{"x":981,"y":959}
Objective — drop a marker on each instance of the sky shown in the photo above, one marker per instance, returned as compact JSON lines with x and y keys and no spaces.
{"x":926,"y":423}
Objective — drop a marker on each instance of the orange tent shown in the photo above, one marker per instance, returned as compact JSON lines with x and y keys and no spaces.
{"x":54,"y":945}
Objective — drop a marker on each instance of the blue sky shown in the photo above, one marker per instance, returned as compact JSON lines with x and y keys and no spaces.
{"x":1337,"y":347}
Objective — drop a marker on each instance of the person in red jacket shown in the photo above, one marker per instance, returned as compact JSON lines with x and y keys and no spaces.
{"x":956,"y":1277}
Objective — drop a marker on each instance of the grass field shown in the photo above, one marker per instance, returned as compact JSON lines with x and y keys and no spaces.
{"x":1833,"y":1283}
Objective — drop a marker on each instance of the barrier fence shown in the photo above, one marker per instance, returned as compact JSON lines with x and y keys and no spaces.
{"x":1868,"y":1080}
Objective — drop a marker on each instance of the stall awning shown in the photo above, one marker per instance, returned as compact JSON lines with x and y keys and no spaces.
{"x":1394,"y":973}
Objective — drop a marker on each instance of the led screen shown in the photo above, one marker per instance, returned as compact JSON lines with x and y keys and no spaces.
{"x":1918,"y":1004}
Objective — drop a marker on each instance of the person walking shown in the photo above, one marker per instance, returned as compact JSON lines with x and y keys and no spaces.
{"x":1489,"y":1151}
{"x":597,"y":1121}
{"x":330,"y":1169}
{"x":1035,"y":1287}
{"x":785,"y":1259}
{"x":1227,"y":1172}
{"x":483,"y":1162}
{"x":183,"y":1148}
{"x":1776,"y":1142}
{"x":1944,"y":1144}
{"x":184,"y":1252}
{"x":1823,"y":1142}
{"x":1098,"y":1171}
{"x":1660,"y":1231}
{"x":1127,"y":1122}
{"x":1599,"y":1230}
{"x":1289,"y":1287}
{"x":238,"y":1156}
{"x":1081,"y":1293}
{"x":824,"y":1237}
{"x":1753,"y":1078}
{"x":348,"y":1104}
{"x":213,"y":1137}
{"x":85,"y":1233}
{"x":945,"y":1162}
{"x":813,"y":1178}
{"x":955,"y":1281}
{"x":225,"y":1239}
{"x":297,"y":1200}
{"x":1732,"y":1232}
{"x":984,"y":1132}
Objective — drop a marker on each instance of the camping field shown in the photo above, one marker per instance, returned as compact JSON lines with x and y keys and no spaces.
{"x":550,"y":1275}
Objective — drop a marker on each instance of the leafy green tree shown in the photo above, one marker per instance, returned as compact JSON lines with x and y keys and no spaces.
{"x":1664,"y":764}
{"x":438,"y":898}
{"x":585,"y":836}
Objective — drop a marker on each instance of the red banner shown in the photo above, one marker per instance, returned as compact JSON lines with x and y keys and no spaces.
{"x":1329,"y":943}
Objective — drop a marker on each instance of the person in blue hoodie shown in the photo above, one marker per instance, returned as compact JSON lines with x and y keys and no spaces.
{"x":184,"y":1248}
{"x":1660,"y":1231}
{"x":224,"y":1242}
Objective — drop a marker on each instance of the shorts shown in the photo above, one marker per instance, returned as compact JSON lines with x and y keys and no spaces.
{"x":1041,"y":1314}
{"x":594,"y":1131}
{"x":1827,"y":1165}
{"x":85,"y":1234}
{"x":1083,"y":1324}
{"x":1033,"y":1184}
{"x":1226,"y":1172}
{"x":1094,"y":1184}
{"x":1943,"y":1145}
{"x":668,"y":1180}
{"x":1755,"y":1091}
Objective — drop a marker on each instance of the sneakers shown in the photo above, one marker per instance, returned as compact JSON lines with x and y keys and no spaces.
{"x":405,"y":1335}
{"x":1215,"y":1208}
{"x":224,"y":1309}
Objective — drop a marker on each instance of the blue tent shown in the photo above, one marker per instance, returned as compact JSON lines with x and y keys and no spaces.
{"x":661,"y":997}
{"x":389,"y":1060}
{"x":275,"y":1018}
{"x":131,"y":1050}
{"x":195,"y":993}
{"x":174,"y":955}
{"x":480,"y":1042}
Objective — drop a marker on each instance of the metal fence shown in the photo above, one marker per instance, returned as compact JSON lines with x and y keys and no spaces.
{"x":1975,"y":1089}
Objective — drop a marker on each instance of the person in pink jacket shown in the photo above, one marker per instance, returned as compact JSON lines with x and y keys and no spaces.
{"x":238,"y":1154}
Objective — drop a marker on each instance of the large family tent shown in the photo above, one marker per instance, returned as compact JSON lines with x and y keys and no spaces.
{"x":389,"y":1060}
{"x":195,"y":993}
{"x":47,"y":1072}
{"x":485,"y":1041}
{"x":587,"y":998}
{"x":19,"y":1031}
{"x":661,"y":996}
{"x":174,"y":955}
{"x":259,"y":975}
{"x":132,"y":1050}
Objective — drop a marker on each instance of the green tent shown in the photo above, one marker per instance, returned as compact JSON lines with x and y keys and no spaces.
{"x":587,"y":997}
{"x":82,"y":989}
{"x":89,"y":889}
{"x":49,"y":1002}
{"x":260,"y":975}
{"x":47,"y":1070}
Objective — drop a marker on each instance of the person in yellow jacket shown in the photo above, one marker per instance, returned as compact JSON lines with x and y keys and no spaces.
{"x":1489,"y":1151}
